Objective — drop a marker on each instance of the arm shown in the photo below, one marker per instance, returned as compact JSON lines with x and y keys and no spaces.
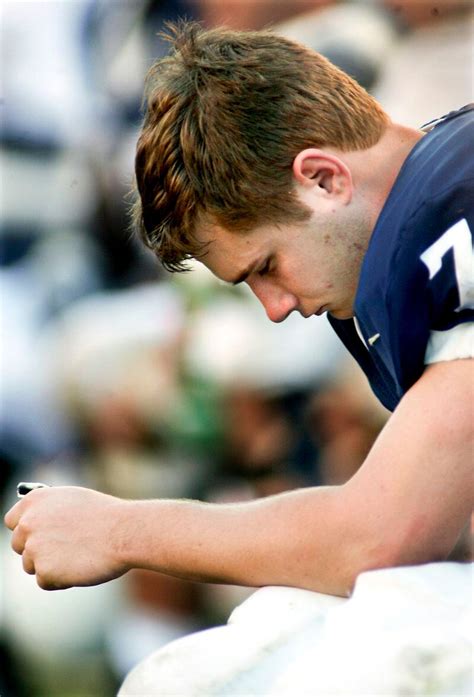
{"x":407,"y":504}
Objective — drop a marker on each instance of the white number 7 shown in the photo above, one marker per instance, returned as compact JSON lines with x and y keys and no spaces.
{"x":457,"y":238}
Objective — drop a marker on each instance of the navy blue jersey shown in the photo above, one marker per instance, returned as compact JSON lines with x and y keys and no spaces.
{"x":417,"y":275}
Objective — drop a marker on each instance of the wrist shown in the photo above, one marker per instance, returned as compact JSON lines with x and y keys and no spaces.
{"x":126,"y":533}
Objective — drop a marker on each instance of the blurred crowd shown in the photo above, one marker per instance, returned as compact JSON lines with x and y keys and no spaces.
{"x":116,"y":375}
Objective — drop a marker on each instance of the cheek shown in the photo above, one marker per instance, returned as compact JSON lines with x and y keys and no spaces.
{"x":306,"y":271}
{"x":306,"y":279}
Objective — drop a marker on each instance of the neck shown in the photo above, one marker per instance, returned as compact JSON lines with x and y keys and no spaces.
{"x":376,"y":169}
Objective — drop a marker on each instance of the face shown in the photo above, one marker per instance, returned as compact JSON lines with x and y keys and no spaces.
{"x":309,"y":267}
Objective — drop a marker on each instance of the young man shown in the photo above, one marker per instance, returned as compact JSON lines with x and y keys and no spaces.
{"x":272,"y":167}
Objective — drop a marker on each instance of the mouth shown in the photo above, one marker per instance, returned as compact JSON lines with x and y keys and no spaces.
{"x":321,"y":310}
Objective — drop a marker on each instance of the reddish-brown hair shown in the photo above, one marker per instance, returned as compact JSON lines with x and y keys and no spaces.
{"x":226,"y":114}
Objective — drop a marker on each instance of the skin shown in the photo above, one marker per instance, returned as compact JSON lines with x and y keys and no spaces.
{"x":396,"y":510}
{"x":281,"y":265}
{"x":314,"y":267}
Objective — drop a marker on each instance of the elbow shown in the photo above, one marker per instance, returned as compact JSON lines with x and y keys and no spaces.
{"x":368,"y":554}
{"x":369,"y":546}
{"x":399,"y":551}
{"x":355,"y":558}
{"x":375,"y":559}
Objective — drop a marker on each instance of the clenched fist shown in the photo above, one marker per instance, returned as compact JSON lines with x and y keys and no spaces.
{"x":69,"y":536}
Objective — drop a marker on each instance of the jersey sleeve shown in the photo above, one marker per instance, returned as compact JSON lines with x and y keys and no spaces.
{"x":431,"y":293}
{"x":451,"y":345}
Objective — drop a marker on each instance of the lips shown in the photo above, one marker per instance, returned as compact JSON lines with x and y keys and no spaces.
{"x":319,"y":311}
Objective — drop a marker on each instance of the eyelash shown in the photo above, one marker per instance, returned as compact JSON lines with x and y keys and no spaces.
{"x":266,"y":268}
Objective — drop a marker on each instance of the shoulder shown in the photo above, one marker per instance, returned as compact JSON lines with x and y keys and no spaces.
{"x":432,"y":199}
{"x":434,"y":187}
{"x":417,"y":274}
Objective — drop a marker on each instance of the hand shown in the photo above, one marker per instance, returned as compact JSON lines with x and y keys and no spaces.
{"x":69,"y":536}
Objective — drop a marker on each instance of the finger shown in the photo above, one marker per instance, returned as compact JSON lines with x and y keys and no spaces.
{"x":28,"y":563}
{"x":47,"y":582}
{"x":18,"y":540}
{"x":13,"y":515}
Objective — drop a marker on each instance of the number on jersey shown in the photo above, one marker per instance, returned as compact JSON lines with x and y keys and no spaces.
{"x":457,"y":238}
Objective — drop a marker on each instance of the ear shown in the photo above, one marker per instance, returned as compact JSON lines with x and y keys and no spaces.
{"x":317,"y":168}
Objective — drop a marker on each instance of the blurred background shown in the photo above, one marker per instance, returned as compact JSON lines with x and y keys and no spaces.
{"x":116,"y":375}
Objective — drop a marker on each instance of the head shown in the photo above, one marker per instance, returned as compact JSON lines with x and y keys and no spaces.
{"x":239,"y":157}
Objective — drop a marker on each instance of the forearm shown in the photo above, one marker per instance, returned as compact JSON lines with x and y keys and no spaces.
{"x":406,"y":505}
{"x":294,"y":539}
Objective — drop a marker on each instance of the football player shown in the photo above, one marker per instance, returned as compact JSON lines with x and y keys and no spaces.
{"x":274,"y":168}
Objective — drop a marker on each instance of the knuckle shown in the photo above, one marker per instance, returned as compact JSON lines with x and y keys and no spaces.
{"x":37,"y":495}
{"x":48,"y":578}
{"x":17,"y":543}
{"x":29,"y":548}
{"x":11,"y":517}
{"x":45,"y":577}
{"x":43,"y":581}
{"x":16,"y":546}
{"x":23,"y":527}
{"x":28,"y":564}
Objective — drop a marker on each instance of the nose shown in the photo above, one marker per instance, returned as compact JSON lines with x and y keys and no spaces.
{"x":277,"y":302}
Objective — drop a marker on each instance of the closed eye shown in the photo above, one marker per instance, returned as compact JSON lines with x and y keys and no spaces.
{"x":266,"y":268}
